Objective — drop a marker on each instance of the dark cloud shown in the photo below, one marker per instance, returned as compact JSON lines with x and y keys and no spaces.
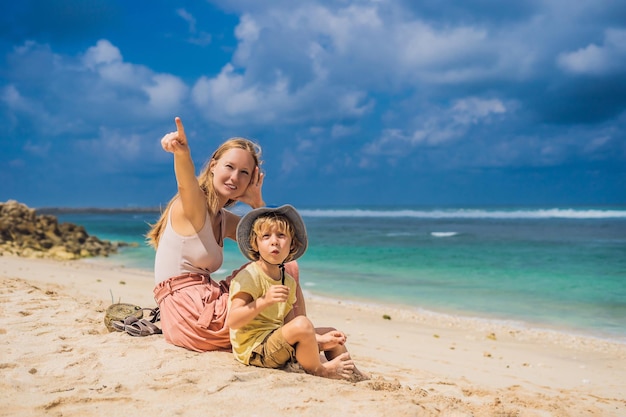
{"x":59,"y":20}
{"x":582,"y":101}
{"x":472,"y":11}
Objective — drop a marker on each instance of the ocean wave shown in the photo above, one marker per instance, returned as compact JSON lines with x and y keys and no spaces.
{"x":399,"y":234}
{"x":443,"y":234}
{"x":471,"y":213}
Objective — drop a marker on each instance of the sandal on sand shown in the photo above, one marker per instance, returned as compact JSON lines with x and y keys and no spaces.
{"x":141,"y":328}
{"x":120,"y":325}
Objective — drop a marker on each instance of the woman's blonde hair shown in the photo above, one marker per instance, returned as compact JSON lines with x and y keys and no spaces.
{"x":266,"y":223}
{"x":205,"y":179}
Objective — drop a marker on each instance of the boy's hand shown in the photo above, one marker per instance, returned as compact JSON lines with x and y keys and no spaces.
{"x":331,"y":339}
{"x":276,"y":294}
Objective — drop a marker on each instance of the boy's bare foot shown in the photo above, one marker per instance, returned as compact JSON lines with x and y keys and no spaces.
{"x":341,"y":367}
{"x":358,"y":376}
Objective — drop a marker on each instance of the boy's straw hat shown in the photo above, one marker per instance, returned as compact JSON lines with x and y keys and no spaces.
{"x":246,"y":222}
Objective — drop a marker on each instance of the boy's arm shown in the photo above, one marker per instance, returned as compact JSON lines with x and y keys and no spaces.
{"x":243,"y":308}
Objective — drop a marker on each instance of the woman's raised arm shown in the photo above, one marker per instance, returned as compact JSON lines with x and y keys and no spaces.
{"x":191,"y":195}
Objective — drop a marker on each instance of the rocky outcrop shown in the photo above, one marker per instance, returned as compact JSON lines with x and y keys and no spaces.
{"x":25,"y":233}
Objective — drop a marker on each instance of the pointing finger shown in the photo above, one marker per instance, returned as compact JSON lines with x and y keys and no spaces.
{"x":179,"y":127}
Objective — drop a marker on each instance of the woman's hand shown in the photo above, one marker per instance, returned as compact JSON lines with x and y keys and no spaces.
{"x":176,"y":142}
{"x":253,"y":194}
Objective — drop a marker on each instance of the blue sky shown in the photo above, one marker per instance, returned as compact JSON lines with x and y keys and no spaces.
{"x":445,"y":103}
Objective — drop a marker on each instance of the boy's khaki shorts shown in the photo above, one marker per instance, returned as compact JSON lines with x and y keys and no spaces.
{"x":274,"y":352}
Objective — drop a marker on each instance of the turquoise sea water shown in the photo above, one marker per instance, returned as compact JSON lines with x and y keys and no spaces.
{"x":549,"y":268}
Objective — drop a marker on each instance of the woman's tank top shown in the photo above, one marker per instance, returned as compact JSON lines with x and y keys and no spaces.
{"x":199,"y":253}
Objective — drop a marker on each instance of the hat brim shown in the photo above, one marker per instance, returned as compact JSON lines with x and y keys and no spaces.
{"x":246,"y":222}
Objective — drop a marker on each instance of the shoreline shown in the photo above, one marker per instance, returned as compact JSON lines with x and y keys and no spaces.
{"x":58,"y":356}
{"x":460,"y":320}
{"x":404,"y":310}
{"x":540,"y":302}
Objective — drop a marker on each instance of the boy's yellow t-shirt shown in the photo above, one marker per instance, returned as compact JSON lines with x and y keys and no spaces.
{"x":252,"y":280}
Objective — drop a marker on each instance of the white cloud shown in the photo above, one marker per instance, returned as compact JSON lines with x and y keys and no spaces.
{"x":247,"y":33}
{"x":608,"y":58}
{"x":424,"y":46}
{"x":166,"y":93}
{"x":103,"y":53}
{"x":474,"y":110}
{"x":12,"y":97}
{"x":112,"y":149}
{"x":41,"y":149}
{"x":354,"y":103}
{"x":377,"y":45}
{"x":335,"y":60}
{"x":20,"y":105}
{"x":227,"y":96}
{"x":340,"y":130}
{"x":345,"y":27}
{"x":231,"y":96}
{"x":439,"y":126}
{"x":188,"y":17}
{"x":81,"y":93}
{"x":200,"y":38}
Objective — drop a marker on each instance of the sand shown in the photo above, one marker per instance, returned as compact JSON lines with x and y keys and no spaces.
{"x":57,"y":358}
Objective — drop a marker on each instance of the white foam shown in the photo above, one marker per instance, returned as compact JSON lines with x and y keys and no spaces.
{"x":473,"y":213}
{"x":443,"y":234}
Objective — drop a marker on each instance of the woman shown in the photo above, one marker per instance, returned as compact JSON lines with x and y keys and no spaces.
{"x":189,"y":239}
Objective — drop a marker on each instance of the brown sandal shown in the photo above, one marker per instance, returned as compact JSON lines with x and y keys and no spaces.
{"x":141,"y":328}
{"x":137,"y":327}
{"x":120,"y":325}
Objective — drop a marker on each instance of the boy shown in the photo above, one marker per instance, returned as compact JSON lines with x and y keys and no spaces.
{"x":264,"y":331}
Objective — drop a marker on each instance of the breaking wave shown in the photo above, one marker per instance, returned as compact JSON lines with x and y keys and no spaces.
{"x":471,"y":213}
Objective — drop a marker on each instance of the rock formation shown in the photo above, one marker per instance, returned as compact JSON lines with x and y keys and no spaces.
{"x":25,"y":233}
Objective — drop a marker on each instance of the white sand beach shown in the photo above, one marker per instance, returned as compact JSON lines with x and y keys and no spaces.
{"x":57,"y":358}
